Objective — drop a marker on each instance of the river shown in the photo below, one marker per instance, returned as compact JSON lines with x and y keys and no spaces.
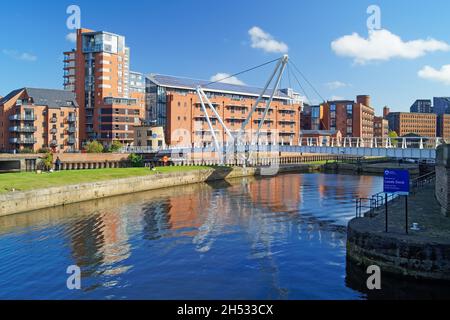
{"x":255,"y":238}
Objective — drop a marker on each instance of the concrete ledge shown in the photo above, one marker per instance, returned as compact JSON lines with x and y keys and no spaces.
{"x":397,"y":254}
{"x":15,"y":202}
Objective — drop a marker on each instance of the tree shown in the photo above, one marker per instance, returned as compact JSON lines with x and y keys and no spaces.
{"x":393,"y":135}
{"x":136,"y":160}
{"x":47,"y":161}
{"x":93,"y":147}
{"x":115,"y":146}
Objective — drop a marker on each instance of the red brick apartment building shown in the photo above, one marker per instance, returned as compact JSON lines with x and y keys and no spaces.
{"x":352,"y":119}
{"x":111,"y":97}
{"x":380,"y":127}
{"x":174,"y":104}
{"x":32,"y":119}
{"x":422,"y":124}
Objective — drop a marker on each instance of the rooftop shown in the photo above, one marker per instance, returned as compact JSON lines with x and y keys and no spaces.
{"x":52,"y":98}
{"x":192,"y":84}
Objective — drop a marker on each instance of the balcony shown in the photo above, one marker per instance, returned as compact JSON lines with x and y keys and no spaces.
{"x":53,"y":143}
{"x":71,"y":141}
{"x":53,"y":131}
{"x":22,"y":117}
{"x":71,"y":118}
{"x":71,"y":129}
{"x":22,"y":129}
{"x":22,"y":140}
{"x":53,"y":120}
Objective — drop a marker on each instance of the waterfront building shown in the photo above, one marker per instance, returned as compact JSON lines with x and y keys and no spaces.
{"x":422,"y":106}
{"x":352,"y":119}
{"x":443,"y":127}
{"x":323,"y":136}
{"x":312,"y":117}
{"x":149,"y":136}
{"x":441,"y":105}
{"x":422,"y":124}
{"x":386,"y":111}
{"x":31,"y":119}
{"x":174,"y":104}
{"x":110,"y":96}
{"x":380,"y":127}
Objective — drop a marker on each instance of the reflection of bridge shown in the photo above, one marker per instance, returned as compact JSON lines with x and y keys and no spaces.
{"x":421,"y":148}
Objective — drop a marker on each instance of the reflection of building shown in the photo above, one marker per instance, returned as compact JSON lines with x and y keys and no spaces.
{"x":149,"y":136}
{"x":110,"y":97}
{"x":380,"y":127}
{"x":422,"y":124}
{"x":175,"y":105}
{"x":38,"y":118}
{"x":352,"y":119}
{"x":422,"y":106}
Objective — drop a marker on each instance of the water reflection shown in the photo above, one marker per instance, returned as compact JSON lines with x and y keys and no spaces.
{"x":253,"y":238}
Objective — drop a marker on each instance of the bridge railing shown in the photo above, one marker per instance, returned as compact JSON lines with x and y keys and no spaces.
{"x":375,"y":142}
{"x":367,"y":207}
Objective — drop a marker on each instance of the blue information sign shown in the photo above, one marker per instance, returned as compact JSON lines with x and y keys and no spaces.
{"x":396,"y":181}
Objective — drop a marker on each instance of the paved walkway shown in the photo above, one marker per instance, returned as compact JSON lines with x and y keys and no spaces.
{"x":423,"y":209}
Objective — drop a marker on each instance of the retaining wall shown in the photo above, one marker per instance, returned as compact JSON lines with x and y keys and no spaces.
{"x":15,"y":202}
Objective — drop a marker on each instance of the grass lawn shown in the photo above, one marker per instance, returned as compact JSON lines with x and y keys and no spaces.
{"x":30,"y":180}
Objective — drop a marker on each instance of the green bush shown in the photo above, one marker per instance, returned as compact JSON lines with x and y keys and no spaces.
{"x":393,"y":135}
{"x":93,"y":147}
{"x":115,"y":146}
{"x":43,"y":150}
{"x":136,"y":160}
{"x":26,"y":150}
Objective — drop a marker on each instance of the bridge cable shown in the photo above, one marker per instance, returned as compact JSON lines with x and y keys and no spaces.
{"x":300,"y":85}
{"x":239,"y":73}
{"x":310,"y":84}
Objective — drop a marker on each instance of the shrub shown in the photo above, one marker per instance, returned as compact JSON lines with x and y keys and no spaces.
{"x":26,"y":150}
{"x":93,"y":147}
{"x":115,"y":146}
{"x":47,"y":161}
{"x":43,"y":150}
{"x":136,"y":160}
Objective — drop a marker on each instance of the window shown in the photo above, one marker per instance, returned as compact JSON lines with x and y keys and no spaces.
{"x":149,"y":133}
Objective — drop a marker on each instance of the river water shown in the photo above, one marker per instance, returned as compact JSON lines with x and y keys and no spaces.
{"x":255,"y":238}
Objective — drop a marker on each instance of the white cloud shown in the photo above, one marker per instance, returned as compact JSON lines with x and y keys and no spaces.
{"x":383,"y":45}
{"x":24,"y":56}
{"x":72,"y":37}
{"x":263,"y":40}
{"x":442,"y":75}
{"x":231,"y":80}
{"x":336,"y":85}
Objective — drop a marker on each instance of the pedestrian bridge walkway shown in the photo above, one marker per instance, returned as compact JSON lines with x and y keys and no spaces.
{"x":420,"y":148}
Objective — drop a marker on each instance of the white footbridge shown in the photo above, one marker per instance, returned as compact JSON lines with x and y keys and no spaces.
{"x":243,"y":145}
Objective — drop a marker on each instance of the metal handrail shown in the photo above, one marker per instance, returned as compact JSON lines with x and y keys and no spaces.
{"x":379,"y":199}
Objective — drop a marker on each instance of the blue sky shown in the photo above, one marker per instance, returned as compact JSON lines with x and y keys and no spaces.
{"x":200,"y":38}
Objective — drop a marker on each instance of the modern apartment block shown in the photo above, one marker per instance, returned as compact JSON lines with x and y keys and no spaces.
{"x":32,"y":119}
{"x":441,"y":105}
{"x":422,"y":106}
{"x":380,"y":127}
{"x":443,"y":127}
{"x":110,"y":96}
{"x":422,"y":124}
{"x":149,"y":136}
{"x":352,"y":119}
{"x":312,"y":117}
{"x":174,"y":104}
